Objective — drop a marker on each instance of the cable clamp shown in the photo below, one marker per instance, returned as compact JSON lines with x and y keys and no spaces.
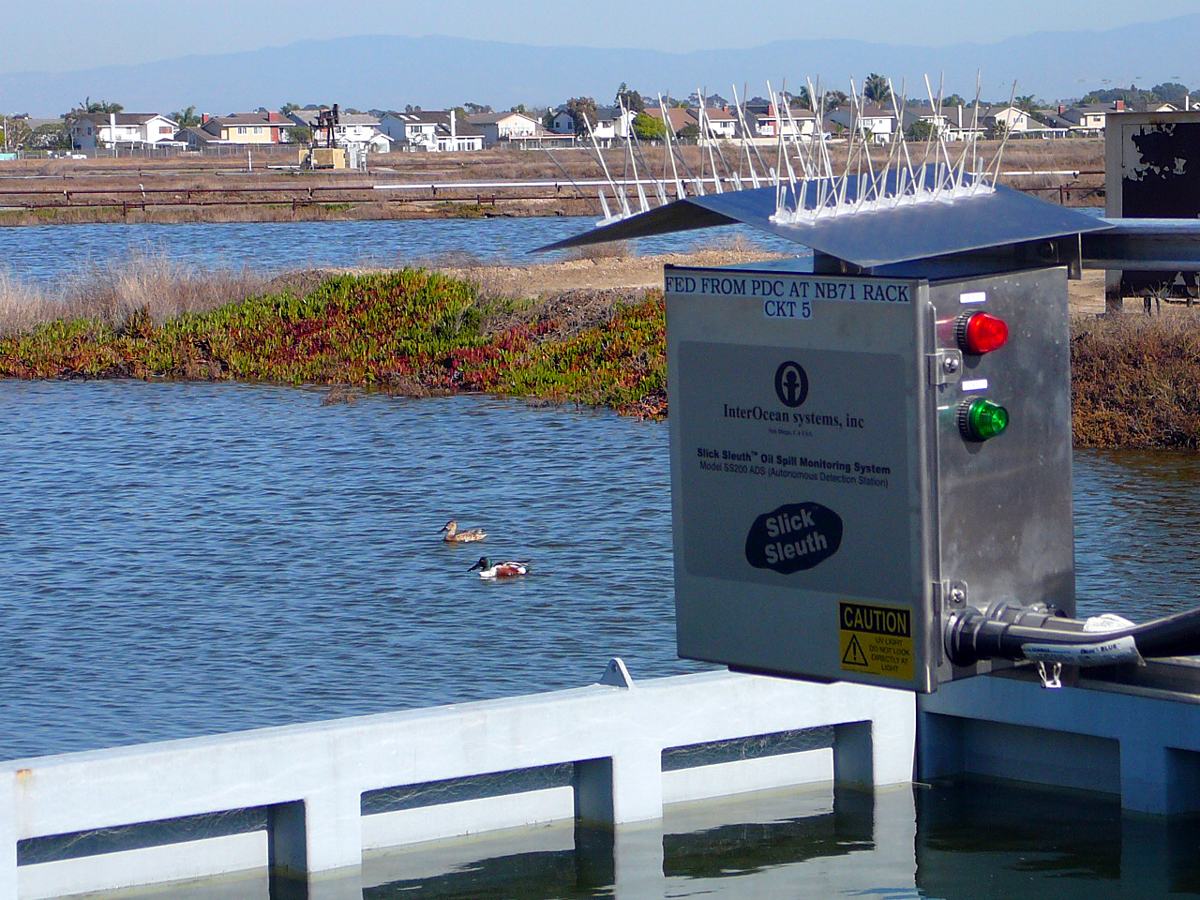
{"x":1052,"y":680}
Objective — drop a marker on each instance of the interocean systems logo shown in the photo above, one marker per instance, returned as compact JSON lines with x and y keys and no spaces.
{"x":791,"y":384}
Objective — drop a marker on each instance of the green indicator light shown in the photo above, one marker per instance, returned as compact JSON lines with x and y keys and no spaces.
{"x":979,"y":420}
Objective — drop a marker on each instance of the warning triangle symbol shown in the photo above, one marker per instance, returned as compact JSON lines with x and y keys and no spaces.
{"x":854,"y":655}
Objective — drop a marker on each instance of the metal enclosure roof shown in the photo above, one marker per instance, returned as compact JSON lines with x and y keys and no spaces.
{"x":866,"y":239}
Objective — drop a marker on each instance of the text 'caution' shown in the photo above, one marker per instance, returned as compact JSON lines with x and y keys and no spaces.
{"x":876,"y":640}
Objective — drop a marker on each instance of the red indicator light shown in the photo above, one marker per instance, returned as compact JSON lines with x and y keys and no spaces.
{"x":980,"y":332}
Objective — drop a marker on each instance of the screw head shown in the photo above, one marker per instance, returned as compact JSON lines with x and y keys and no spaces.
{"x":950,"y":364}
{"x":958,"y":596}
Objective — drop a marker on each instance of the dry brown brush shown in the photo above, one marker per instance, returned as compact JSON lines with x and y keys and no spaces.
{"x":145,"y":286}
{"x":1136,"y":382}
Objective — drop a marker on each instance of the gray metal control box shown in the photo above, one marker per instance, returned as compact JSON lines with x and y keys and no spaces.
{"x":829,"y":508}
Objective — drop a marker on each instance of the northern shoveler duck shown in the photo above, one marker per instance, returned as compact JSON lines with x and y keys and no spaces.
{"x":454,"y":536}
{"x":499,"y":570}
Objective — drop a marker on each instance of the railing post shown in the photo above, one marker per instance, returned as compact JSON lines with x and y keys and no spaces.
{"x":853,"y":755}
{"x":317,"y":834}
{"x":876,"y":752}
{"x":626,"y":787}
{"x":1157,"y":779}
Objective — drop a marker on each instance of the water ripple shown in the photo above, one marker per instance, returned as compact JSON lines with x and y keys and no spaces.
{"x":189,"y":558}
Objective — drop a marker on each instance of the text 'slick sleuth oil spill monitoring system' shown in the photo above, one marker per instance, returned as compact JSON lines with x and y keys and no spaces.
{"x":871,"y":454}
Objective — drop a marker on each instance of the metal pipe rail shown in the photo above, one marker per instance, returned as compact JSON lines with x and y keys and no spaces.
{"x":310,"y":779}
{"x":1150,"y":245}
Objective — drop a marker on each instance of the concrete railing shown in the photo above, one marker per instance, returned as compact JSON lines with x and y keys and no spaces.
{"x":310,"y":779}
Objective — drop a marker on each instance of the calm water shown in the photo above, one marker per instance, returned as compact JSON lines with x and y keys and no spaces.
{"x":46,"y":253}
{"x":970,"y":840}
{"x":967,"y":840}
{"x":191,"y":558}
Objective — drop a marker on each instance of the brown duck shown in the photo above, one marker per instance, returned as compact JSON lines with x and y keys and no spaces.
{"x":454,"y":536}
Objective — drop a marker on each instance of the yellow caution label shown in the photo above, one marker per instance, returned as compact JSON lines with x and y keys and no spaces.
{"x":876,"y":640}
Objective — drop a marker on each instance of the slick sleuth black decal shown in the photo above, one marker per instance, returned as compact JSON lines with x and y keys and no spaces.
{"x":793,"y":537}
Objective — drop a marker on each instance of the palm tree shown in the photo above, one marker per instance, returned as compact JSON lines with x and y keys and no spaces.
{"x":186,"y":117}
{"x":876,"y":88}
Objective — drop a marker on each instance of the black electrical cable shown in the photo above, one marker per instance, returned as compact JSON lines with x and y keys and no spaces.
{"x":972,"y":635}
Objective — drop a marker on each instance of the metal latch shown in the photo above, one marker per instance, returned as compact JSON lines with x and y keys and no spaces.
{"x":945,"y":367}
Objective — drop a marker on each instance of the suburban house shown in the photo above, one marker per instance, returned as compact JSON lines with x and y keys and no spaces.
{"x":719,"y":123}
{"x":944,"y":122}
{"x":563,"y":122}
{"x":431,"y":130}
{"x":999,"y":119}
{"x":1090,"y":118}
{"x":511,"y":128}
{"x":877,"y":123}
{"x":91,"y":130}
{"x":247,"y":128}
{"x":794,"y":122}
{"x":678,"y":118}
{"x":611,"y":123}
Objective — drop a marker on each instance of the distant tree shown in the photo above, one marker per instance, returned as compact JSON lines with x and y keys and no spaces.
{"x":712,"y":101}
{"x":1171,"y":92}
{"x":876,"y":89}
{"x":920,"y":130}
{"x":460,"y":113}
{"x":1025,"y":102}
{"x":99,"y":106}
{"x":409,"y":108}
{"x":519,"y":108}
{"x":630,"y":98}
{"x":299,"y":134}
{"x":475,"y":108}
{"x":186,"y":117}
{"x":16,"y":133}
{"x":689,"y":132}
{"x":581,"y":108}
{"x":548,"y":118}
{"x":800,"y":100}
{"x":1133,"y":96}
{"x":52,"y":136}
{"x":648,"y":127}
{"x":288,"y":108}
{"x":834,"y":100}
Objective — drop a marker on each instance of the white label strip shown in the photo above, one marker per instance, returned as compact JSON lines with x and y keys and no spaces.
{"x":973,"y":297}
{"x":1107,"y":653}
{"x":974,"y":384}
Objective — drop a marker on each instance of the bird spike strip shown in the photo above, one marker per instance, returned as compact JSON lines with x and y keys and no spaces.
{"x":808,"y":186}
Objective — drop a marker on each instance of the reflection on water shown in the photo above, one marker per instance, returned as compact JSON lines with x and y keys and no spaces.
{"x":969,"y":839}
{"x":799,"y":843}
{"x":959,"y":840}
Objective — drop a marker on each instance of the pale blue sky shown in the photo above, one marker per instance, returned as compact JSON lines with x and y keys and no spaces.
{"x":62,"y":35}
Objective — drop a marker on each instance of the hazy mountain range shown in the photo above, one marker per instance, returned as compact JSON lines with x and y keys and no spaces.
{"x":435,"y":71}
